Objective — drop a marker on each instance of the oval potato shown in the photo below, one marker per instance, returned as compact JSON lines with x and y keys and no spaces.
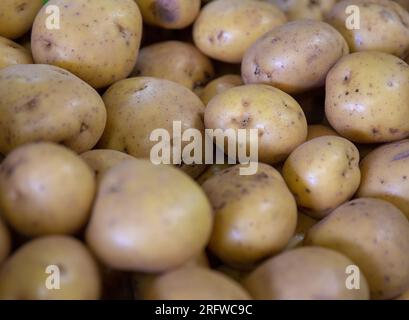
{"x":12,"y":53}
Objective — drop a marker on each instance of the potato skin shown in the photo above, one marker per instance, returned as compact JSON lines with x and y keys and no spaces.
{"x":5,"y":241}
{"x":323,"y":173}
{"x":304,"y":9}
{"x":308,"y":273}
{"x":47,"y":103}
{"x":367,"y":97}
{"x":89,"y":28}
{"x":23,"y":276}
{"x":220,"y":85}
{"x":287,"y":58}
{"x":279,"y":118}
{"x":140,"y":223}
{"x":12,"y":53}
{"x":177,"y":61}
{"x":384,"y":26}
{"x":225,"y":29}
{"x":169,"y":14}
{"x":45,"y":189}
{"x":17,"y":16}
{"x":385,"y":174}
{"x":255,"y":215}
{"x":375,"y":235}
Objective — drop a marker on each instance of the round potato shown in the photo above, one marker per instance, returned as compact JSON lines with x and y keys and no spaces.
{"x":319,"y":130}
{"x":375,"y":235}
{"x":323,"y":173}
{"x":193,"y":284}
{"x":304,"y":223}
{"x":38,"y":268}
{"x":45,"y":189}
{"x":47,"y":103}
{"x":367,"y":97}
{"x":98,"y":40}
{"x":12,"y":53}
{"x":383,"y":26}
{"x":176,"y":61}
{"x":220,"y":85}
{"x":5,"y":241}
{"x":169,"y":14}
{"x":385,"y":175}
{"x":305,"y":9}
{"x":17,"y":16}
{"x":255,"y":215}
{"x":148,"y":218}
{"x":225,"y":29}
{"x":278,"y":117}
{"x":294,"y":57}
{"x":308,"y":273}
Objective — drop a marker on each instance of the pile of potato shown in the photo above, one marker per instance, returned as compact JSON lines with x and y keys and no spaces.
{"x":85,"y":214}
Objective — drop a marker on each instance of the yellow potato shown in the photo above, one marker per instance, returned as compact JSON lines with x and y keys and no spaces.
{"x":148,"y":218}
{"x":225,"y":29}
{"x":5,"y":241}
{"x":50,"y":261}
{"x":319,"y":130}
{"x":367,"y":97}
{"x":375,"y":235}
{"x":322,"y":174}
{"x":17,"y":16}
{"x":213,"y":170}
{"x":98,"y":40}
{"x":219,"y":85}
{"x":385,"y":175}
{"x":308,"y":273}
{"x":304,"y":9}
{"x":294,"y":57}
{"x":45,"y":189}
{"x":304,"y":223}
{"x":169,"y":14}
{"x":12,"y":53}
{"x":47,"y":103}
{"x":177,"y":61}
{"x":383,"y":26}
{"x":255,"y":215}
{"x":278,"y":117}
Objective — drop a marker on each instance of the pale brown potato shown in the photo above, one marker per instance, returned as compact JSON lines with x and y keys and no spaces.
{"x":12,"y":53}
{"x":26,"y":274}
{"x":385,"y":175}
{"x":304,"y":223}
{"x":177,"y":61}
{"x":294,"y":57}
{"x":383,"y":26}
{"x":17,"y":16}
{"x":304,"y":9}
{"x":98,"y":40}
{"x":140,"y":223}
{"x":169,"y":14}
{"x":5,"y":241}
{"x":278,"y":117}
{"x":225,"y":29}
{"x":375,"y":235}
{"x":220,"y":85}
{"x":320,"y":130}
{"x":45,"y":189}
{"x":255,"y":215}
{"x":307,"y":273}
{"x":47,"y":103}
{"x":322,"y":174}
{"x":367,"y":97}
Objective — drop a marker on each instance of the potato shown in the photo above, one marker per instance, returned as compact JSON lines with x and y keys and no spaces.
{"x":12,"y":53}
{"x":98,"y":40}
{"x":5,"y":242}
{"x":304,"y":223}
{"x":278,"y":117}
{"x":383,"y":26}
{"x":17,"y":16}
{"x":220,"y":85}
{"x":308,"y":273}
{"x":225,"y":29}
{"x":323,"y":173}
{"x":319,"y":130}
{"x":255,"y":215}
{"x":385,"y":175}
{"x":47,"y":103}
{"x":213,"y":170}
{"x":304,"y":9}
{"x":176,"y":61}
{"x":148,"y":218}
{"x":193,"y":284}
{"x":294,"y":57}
{"x":45,"y":189}
{"x":367,"y":97}
{"x":59,"y":261}
{"x":169,"y":14}
{"x":375,"y":235}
